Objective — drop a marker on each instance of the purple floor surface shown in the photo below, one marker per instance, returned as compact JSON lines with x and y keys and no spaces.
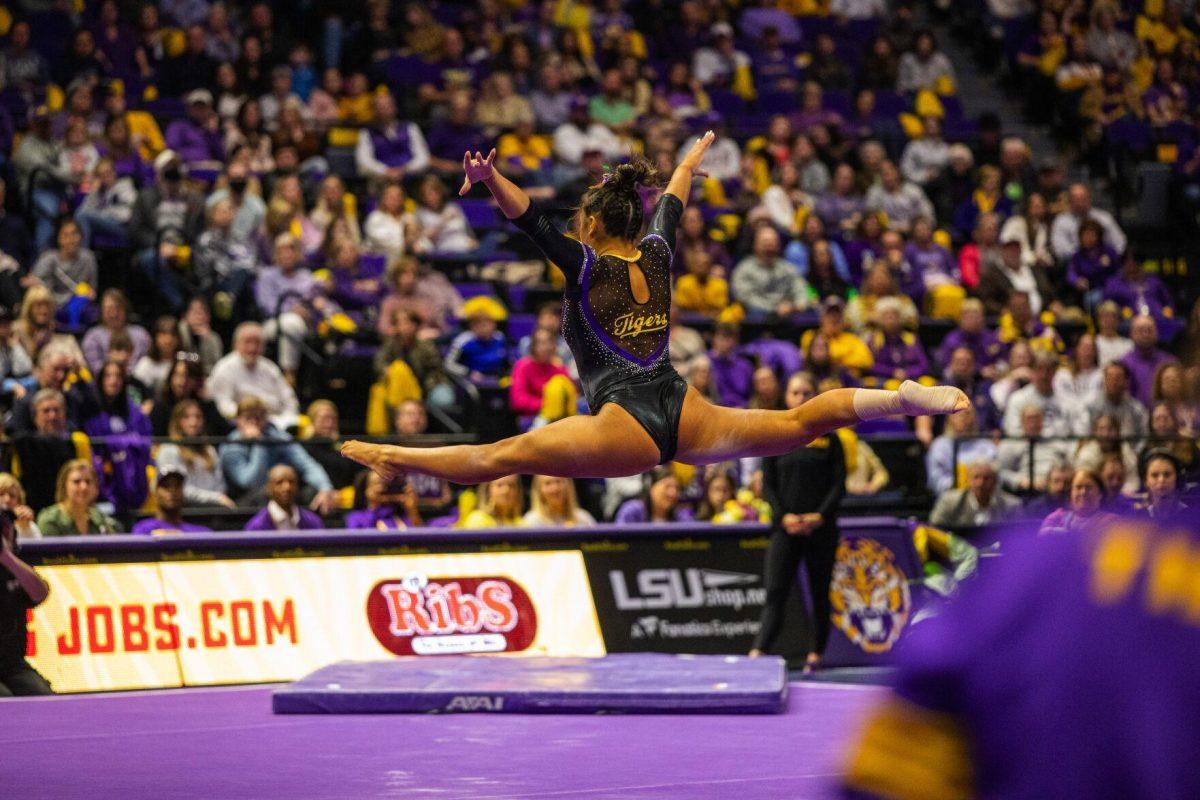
{"x":226,"y":743}
{"x":624,"y":683}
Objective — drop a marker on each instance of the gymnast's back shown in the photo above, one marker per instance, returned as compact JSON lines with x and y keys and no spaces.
{"x":616,"y":340}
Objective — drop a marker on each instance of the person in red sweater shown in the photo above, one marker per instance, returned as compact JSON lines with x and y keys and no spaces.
{"x":542,"y":390}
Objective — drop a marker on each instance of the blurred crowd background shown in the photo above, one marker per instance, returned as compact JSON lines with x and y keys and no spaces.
{"x":231,"y":236}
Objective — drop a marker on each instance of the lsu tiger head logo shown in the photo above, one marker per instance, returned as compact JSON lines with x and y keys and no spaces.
{"x":869,"y":594}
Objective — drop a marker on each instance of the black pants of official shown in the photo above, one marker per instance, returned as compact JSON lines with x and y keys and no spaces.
{"x":22,"y":680}
{"x":784,"y":554}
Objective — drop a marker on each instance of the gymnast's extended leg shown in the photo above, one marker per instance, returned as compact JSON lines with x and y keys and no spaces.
{"x":610,"y":444}
{"x":710,"y":433}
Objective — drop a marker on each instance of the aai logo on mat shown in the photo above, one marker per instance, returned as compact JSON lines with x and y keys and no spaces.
{"x":423,"y":616}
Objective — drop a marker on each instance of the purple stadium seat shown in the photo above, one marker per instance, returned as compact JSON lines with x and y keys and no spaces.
{"x":521,"y":325}
{"x":776,"y":103}
{"x":474,"y":289}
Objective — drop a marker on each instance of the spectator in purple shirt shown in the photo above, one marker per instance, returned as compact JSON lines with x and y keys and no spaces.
{"x":168,"y":495}
{"x":732,"y":374}
{"x":973,"y":334}
{"x":1093,"y":263}
{"x":197,"y":138}
{"x":658,"y":503}
{"x":932,"y":261}
{"x":1138,"y":292}
{"x":283,"y":512}
{"x":454,"y":135}
{"x":1145,"y":359}
{"x":841,"y":207}
{"x":380,"y":507}
{"x":898,"y":354}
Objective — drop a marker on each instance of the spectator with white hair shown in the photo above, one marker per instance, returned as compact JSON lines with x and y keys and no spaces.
{"x":245,"y":372}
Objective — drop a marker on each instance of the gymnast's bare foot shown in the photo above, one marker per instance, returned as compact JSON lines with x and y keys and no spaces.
{"x":918,"y":400}
{"x":374,"y":457}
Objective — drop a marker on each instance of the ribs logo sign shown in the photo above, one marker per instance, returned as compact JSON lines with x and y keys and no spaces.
{"x":443,"y":616}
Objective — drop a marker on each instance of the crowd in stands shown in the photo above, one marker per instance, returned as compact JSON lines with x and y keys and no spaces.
{"x":207,"y":206}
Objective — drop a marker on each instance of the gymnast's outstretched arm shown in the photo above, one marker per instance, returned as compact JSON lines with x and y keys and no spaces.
{"x":680,"y":184}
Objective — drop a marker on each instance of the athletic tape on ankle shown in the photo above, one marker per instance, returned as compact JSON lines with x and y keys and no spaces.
{"x":875,"y":403}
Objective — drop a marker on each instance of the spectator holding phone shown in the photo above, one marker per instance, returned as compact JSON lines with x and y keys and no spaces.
{"x":21,"y":589}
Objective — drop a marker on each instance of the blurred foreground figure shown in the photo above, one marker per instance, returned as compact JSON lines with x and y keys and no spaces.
{"x":1067,"y":670}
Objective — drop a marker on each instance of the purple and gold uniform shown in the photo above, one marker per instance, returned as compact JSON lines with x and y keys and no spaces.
{"x":1066,"y":671}
{"x":620,"y":345}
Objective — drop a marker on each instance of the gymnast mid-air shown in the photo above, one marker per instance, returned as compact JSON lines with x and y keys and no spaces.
{"x":616,"y":320}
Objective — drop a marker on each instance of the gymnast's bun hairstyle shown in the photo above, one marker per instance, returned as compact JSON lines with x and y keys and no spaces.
{"x":615,"y":201}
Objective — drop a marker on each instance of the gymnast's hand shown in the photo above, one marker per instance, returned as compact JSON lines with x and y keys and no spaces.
{"x":477,"y":169}
{"x":696,"y":154}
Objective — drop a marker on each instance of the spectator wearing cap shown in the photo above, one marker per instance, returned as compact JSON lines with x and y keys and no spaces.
{"x":245,"y":372}
{"x":717,"y":64}
{"x":283,"y":512}
{"x":580,"y":134}
{"x":764,"y":282}
{"x":733,"y":374}
{"x":169,"y":504}
{"x":897,"y":353}
{"x":390,"y":149}
{"x":847,"y":352}
{"x":197,"y":137}
{"x":481,"y":352}
{"x":1064,"y":232}
{"x":1000,"y":279}
{"x":1145,"y":359}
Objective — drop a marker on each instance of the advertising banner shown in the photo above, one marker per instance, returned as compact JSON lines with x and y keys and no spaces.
{"x":682,"y":595}
{"x":124,"y":626}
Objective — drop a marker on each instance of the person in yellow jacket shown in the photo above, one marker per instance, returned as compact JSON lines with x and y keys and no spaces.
{"x":846,"y":350}
{"x":699,"y":290}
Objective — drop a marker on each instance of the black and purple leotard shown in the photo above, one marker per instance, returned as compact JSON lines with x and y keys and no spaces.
{"x":620,"y":345}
